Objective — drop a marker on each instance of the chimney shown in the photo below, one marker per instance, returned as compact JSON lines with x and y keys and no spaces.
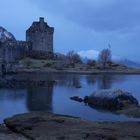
{"x":41,"y":19}
{"x":42,"y":23}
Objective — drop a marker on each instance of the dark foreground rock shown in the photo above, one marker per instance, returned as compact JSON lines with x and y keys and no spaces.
{"x":76,"y":98}
{"x":6,"y":134}
{"x":111,"y":99}
{"x":47,"y":126}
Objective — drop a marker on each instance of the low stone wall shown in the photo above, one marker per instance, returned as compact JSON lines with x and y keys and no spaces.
{"x":11,"y":51}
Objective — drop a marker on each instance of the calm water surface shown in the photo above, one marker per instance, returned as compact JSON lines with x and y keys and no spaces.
{"x":55,"y":96}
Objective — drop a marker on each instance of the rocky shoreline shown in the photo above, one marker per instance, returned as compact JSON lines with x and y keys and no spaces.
{"x":48,"y":126}
{"x":74,"y":71}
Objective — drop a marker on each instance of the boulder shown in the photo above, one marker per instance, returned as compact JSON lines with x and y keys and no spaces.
{"x":76,"y":98}
{"x":111,"y":99}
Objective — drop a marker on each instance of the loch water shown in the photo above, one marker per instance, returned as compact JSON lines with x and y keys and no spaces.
{"x":55,"y":95}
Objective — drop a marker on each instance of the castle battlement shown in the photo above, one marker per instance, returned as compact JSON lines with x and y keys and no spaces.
{"x":39,"y":40}
{"x":40,"y":34}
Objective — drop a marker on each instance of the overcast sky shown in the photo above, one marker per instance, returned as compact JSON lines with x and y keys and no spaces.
{"x":80,"y":25}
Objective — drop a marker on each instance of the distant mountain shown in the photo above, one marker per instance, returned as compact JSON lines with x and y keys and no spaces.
{"x":5,"y":35}
{"x":127,"y":62}
{"x":89,"y":54}
{"x":93,"y":54}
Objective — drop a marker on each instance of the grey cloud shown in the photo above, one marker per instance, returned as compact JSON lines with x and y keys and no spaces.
{"x":99,"y":15}
{"x":80,"y":24}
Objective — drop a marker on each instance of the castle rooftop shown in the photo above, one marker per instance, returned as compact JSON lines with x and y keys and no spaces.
{"x":40,"y":26}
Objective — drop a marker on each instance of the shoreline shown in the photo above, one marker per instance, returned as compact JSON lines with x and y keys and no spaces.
{"x":40,"y":125}
{"x":93,"y":72}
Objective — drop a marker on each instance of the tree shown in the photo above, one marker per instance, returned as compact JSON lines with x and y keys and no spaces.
{"x":91,"y":62}
{"x":73,"y":57}
{"x":104,"y":57}
{"x":59,"y":56}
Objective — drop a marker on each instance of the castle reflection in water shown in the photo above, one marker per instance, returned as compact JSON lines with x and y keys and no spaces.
{"x":40,"y":97}
{"x":51,"y":92}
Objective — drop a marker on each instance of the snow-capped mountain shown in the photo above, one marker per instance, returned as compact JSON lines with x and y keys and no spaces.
{"x":5,"y":35}
{"x":127,"y":62}
{"x":93,"y":54}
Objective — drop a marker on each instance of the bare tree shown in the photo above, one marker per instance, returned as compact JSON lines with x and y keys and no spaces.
{"x":73,"y":57}
{"x":104,"y":57}
{"x":91,"y":62}
{"x":59,"y":56}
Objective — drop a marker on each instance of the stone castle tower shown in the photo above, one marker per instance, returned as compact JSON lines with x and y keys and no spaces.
{"x":40,"y":35}
{"x":39,"y":42}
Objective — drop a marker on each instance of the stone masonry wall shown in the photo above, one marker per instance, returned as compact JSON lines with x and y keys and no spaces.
{"x":41,"y":36}
{"x":39,"y":41}
{"x":11,"y":51}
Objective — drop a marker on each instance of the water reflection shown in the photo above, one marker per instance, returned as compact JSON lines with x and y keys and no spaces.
{"x":104,"y":81}
{"x":69,"y":81}
{"x":54,"y":96}
{"x":40,"y":98}
{"x":13,"y":95}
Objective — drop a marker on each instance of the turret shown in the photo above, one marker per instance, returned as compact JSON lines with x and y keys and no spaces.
{"x":40,"y":34}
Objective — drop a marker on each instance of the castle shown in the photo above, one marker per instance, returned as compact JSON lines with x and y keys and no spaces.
{"x":39,"y":41}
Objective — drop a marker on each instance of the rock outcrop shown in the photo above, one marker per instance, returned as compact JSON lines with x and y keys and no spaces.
{"x":115,"y":100}
{"x":111,"y":99}
{"x":48,"y":126}
{"x":76,"y":98}
{"x":6,"y":36}
{"x":7,"y":134}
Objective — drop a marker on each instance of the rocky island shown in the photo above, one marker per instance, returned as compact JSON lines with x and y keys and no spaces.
{"x":36,"y":54}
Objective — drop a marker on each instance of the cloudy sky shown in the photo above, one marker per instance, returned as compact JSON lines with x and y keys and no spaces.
{"x":80,"y":25}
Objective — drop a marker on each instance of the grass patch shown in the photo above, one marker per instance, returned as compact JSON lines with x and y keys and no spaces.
{"x":36,"y":63}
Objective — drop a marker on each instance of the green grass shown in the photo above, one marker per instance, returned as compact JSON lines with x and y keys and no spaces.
{"x":36,"y":63}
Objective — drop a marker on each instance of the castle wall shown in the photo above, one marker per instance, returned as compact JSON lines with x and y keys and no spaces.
{"x":39,"y":40}
{"x":11,"y":51}
{"x":41,"y":36}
